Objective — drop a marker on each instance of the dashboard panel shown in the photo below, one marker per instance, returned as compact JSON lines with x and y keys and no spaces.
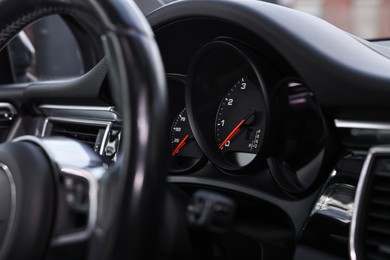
{"x":255,"y":119}
{"x":305,"y":84}
{"x":271,"y":108}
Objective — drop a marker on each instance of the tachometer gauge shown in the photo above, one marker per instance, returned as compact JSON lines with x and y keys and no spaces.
{"x":228,"y":105}
{"x":238,"y":126}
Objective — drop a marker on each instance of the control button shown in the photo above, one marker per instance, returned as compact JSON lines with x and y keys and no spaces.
{"x":76,"y":193}
{"x":70,"y":197}
{"x":69,"y":183}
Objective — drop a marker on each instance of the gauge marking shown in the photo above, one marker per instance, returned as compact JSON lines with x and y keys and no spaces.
{"x":240,"y":122}
{"x":183,"y":143}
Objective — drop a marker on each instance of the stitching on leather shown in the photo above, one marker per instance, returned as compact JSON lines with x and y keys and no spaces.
{"x":11,"y":29}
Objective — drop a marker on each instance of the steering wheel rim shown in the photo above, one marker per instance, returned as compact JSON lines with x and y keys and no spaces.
{"x":130,"y":195}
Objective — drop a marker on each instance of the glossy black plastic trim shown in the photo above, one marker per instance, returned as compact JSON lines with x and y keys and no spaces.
{"x":329,"y":55}
{"x":297,"y":210}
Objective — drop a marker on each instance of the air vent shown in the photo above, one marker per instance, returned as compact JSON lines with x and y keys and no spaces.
{"x":90,"y":135}
{"x":377,"y":227}
{"x":371,"y":221}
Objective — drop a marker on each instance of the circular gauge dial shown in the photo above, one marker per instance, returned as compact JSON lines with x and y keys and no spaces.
{"x":239,"y":123}
{"x":184,"y":149}
{"x":228,"y":105}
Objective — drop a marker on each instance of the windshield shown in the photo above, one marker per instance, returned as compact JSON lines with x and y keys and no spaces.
{"x":369,"y":19}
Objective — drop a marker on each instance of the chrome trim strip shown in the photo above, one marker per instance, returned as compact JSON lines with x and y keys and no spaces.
{"x":66,"y":107}
{"x":13,"y":206}
{"x":93,"y":208}
{"x":14,"y":130}
{"x":359,"y":194}
{"x":44,"y":128}
{"x":9,"y":106}
{"x":107,"y":113}
{"x":333,"y":202}
{"x":361,"y":124}
{"x":104,"y":139}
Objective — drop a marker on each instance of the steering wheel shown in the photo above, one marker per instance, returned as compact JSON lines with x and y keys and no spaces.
{"x":123,"y":202}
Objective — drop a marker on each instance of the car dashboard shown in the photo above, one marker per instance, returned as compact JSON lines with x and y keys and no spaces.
{"x":281,"y":112}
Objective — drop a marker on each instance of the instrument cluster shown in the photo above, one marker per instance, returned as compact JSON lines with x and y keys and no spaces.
{"x":236,"y":111}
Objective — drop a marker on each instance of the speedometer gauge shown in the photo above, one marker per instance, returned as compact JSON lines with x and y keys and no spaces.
{"x":238,"y":126}
{"x":185,"y":154}
{"x":185,"y":150}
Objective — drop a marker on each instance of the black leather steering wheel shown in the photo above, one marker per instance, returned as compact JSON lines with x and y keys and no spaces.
{"x":124,"y":201}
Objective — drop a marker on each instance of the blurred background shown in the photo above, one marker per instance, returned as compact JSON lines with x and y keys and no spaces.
{"x":47,"y":50}
{"x":369,"y":19}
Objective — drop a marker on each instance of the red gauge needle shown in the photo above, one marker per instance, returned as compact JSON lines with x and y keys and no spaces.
{"x":180,"y":145}
{"x":247,"y":119}
{"x":232,"y":133}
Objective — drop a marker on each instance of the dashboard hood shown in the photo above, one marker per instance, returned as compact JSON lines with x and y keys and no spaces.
{"x":332,"y":62}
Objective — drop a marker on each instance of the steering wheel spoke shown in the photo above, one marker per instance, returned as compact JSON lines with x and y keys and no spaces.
{"x":78,"y":173}
{"x":78,"y":198}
